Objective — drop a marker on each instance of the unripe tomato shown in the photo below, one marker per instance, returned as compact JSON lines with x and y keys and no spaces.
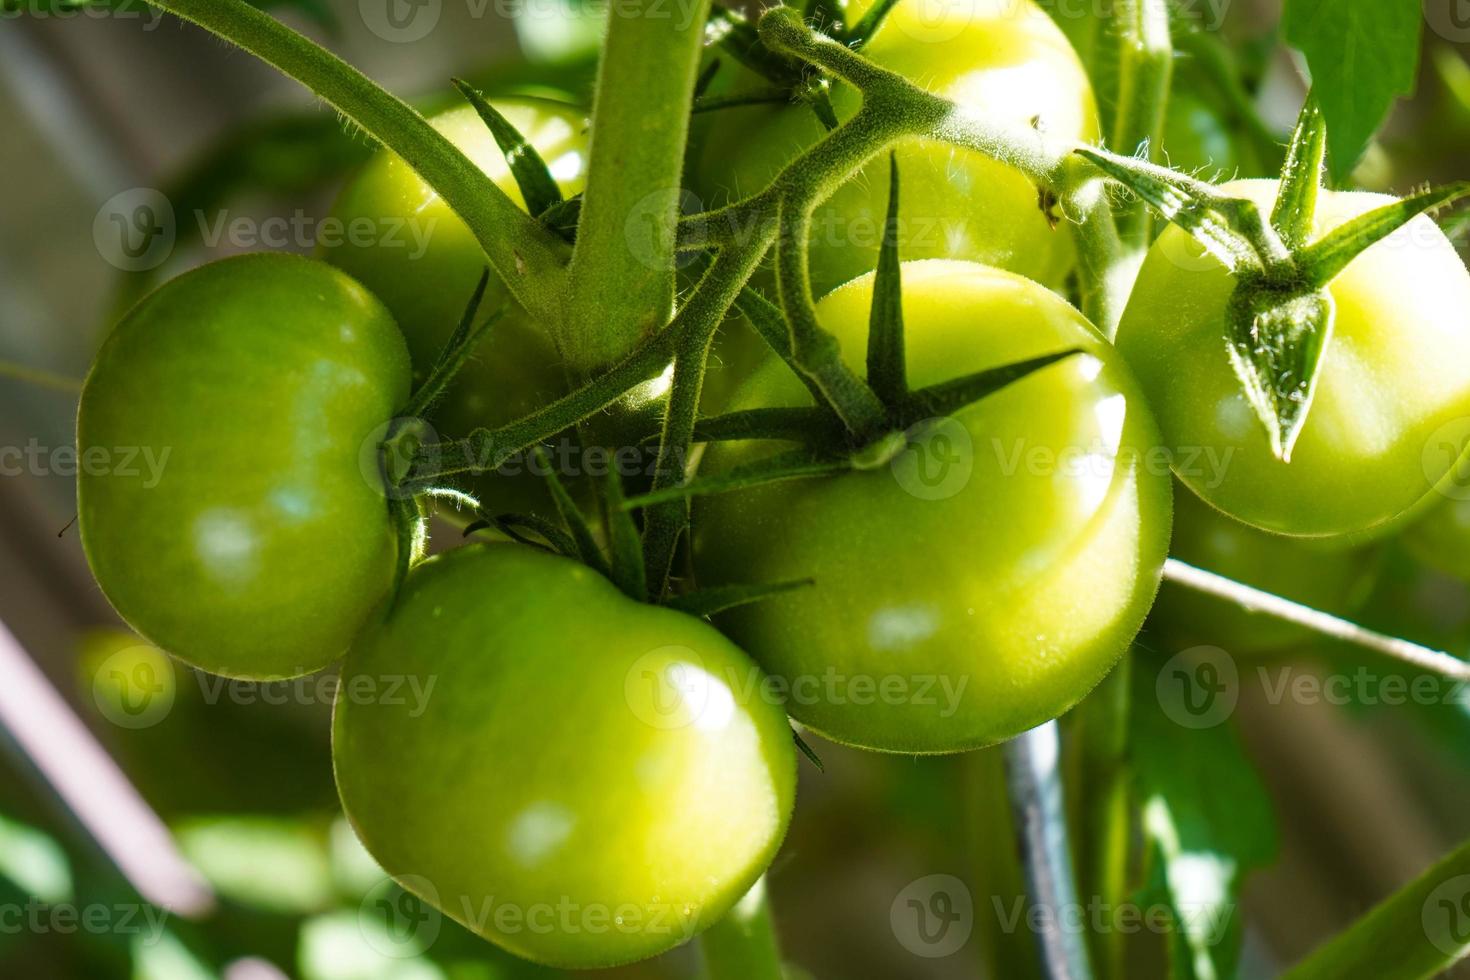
{"x":1394,"y":380}
{"x":231,"y":518}
{"x":585,"y":780}
{"x":1003,"y":58}
{"x":1324,"y":575}
{"x":994,"y":573}
{"x":427,"y":271}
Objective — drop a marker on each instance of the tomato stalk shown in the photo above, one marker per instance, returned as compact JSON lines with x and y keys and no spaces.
{"x":527,"y":257}
{"x":742,"y":945}
{"x":621,"y":287}
{"x":1145,"y":69}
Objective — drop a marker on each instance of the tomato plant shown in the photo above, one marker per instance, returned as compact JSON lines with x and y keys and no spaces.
{"x":258,"y":542}
{"x":613,"y":838}
{"x":1006,"y":59}
{"x":1028,"y":500}
{"x":417,"y":256}
{"x":1394,"y":375}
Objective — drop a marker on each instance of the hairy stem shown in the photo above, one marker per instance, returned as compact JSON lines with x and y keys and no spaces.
{"x":622,"y":281}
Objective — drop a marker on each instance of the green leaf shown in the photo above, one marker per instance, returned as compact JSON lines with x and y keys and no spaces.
{"x":718,"y":599}
{"x":629,"y":572}
{"x":1206,"y":818}
{"x":949,"y":397}
{"x":1231,"y":229}
{"x":533,"y":177}
{"x":265,"y":863}
{"x":1419,"y":931}
{"x":571,"y":515}
{"x":1301,"y":178}
{"x":511,"y":525}
{"x":1324,"y":260}
{"x":462,"y":343}
{"x":1363,"y":54}
{"x":813,"y":425}
{"x":887,"y":371}
{"x":1276,"y":338}
{"x":864,"y":30}
{"x":796,"y":465}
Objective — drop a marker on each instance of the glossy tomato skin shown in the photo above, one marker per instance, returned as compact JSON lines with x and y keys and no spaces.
{"x":575,"y":750}
{"x":427,"y":279}
{"x":1326,"y":575}
{"x":1005,"y":58}
{"x":1394,"y":380}
{"x":261,"y":540}
{"x":997,"y":571}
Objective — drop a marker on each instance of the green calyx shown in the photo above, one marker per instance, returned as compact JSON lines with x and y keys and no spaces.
{"x":1279,"y":319}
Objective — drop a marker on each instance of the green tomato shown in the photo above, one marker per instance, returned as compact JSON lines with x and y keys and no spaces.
{"x":1393,"y":391}
{"x":423,"y":262}
{"x":1008,"y":61}
{"x":1441,"y":537}
{"x":1321,"y":574}
{"x":585,"y":781}
{"x":227,"y":512}
{"x":995,"y":572}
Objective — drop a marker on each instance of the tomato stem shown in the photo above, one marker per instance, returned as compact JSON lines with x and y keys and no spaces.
{"x":742,"y":945}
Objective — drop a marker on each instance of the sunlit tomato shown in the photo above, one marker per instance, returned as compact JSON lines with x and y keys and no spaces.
{"x":1323,"y":575}
{"x":583,"y":779}
{"x":1004,"y":58}
{"x":995,"y":572}
{"x":1388,"y":421}
{"x":228,"y":514}
{"x":405,"y":244}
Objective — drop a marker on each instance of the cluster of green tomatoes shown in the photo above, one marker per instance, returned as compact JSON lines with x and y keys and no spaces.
{"x":588,"y":750}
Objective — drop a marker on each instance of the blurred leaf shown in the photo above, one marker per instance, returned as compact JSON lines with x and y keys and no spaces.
{"x":265,"y":863}
{"x":354,"y":870}
{"x":1418,"y":931}
{"x":345,"y":946}
{"x":1363,"y":56}
{"x":1206,"y":819}
{"x":165,"y":957}
{"x":34,"y":862}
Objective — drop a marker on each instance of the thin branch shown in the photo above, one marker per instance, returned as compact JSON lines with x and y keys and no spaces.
{"x":1422,"y":657}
